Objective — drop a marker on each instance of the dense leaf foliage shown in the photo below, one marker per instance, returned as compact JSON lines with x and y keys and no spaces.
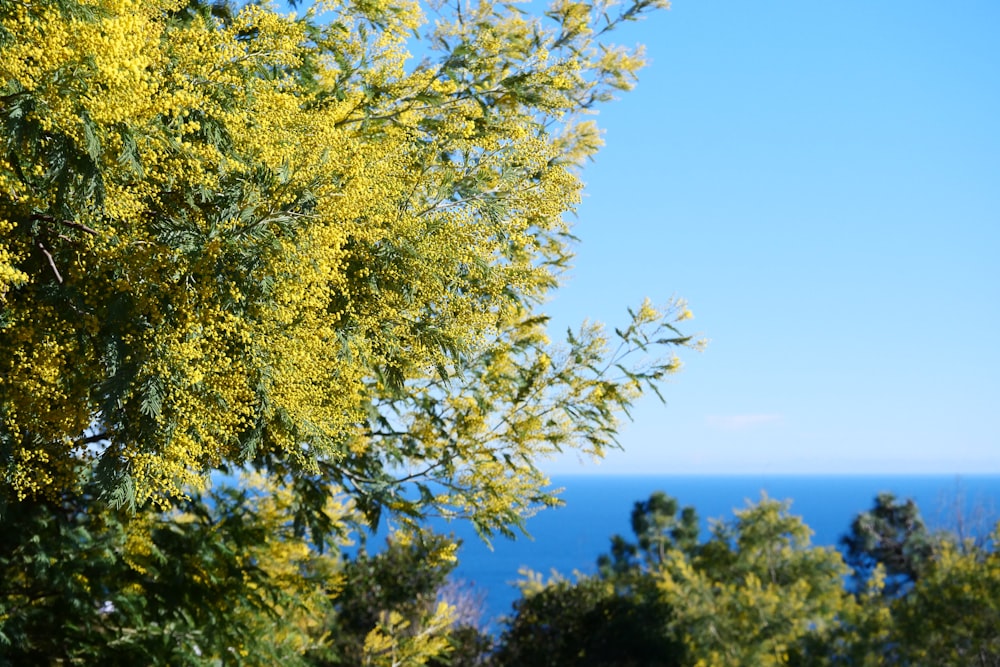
{"x":659,"y":526}
{"x":891,"y":534}
{"x":757,"y":593}
{"x":587,"y":622}
{"x":223,"y":578}
{"x":219,"y":577}
{"x":754,"y":590}
{"x":233,"y":237}
{"x":952,"y":615}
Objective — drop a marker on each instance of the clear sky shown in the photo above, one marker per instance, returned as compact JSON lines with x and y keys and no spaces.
{"x":821,"y":181}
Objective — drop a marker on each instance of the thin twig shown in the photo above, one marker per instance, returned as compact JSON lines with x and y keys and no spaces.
{"x":52,"y":262}
{"x":91,"y":439}
{"x":68,"y":223}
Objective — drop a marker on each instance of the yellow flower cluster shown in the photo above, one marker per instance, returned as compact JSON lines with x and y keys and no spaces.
{"x":10,"y":275}
{"x":228,"y":238}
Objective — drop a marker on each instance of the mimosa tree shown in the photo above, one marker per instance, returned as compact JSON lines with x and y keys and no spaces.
{"x":233,"y":237}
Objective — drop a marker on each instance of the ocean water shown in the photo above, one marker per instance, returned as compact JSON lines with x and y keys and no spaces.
{"x":570,"y":538}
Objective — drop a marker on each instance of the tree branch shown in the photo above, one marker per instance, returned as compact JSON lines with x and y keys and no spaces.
{"x":41,"y":217}
{"x":91,"y":439}
{"x":52,"y":262}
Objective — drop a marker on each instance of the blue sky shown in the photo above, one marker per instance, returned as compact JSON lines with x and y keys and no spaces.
{"x":821,"y":181}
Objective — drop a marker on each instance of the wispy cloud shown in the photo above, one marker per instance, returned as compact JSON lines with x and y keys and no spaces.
{"x":741,"y":422}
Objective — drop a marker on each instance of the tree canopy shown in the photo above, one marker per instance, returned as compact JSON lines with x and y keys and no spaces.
{"x":757,"y":593}
{"x":235,"y":237}
{"x":891,"y":534}
{"x":224,"y":577}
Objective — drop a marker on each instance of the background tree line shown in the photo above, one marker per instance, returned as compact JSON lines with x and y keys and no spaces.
{"x":221,"y":578}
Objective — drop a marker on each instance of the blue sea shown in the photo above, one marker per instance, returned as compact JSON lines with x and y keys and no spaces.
{"x":570,"y":538}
